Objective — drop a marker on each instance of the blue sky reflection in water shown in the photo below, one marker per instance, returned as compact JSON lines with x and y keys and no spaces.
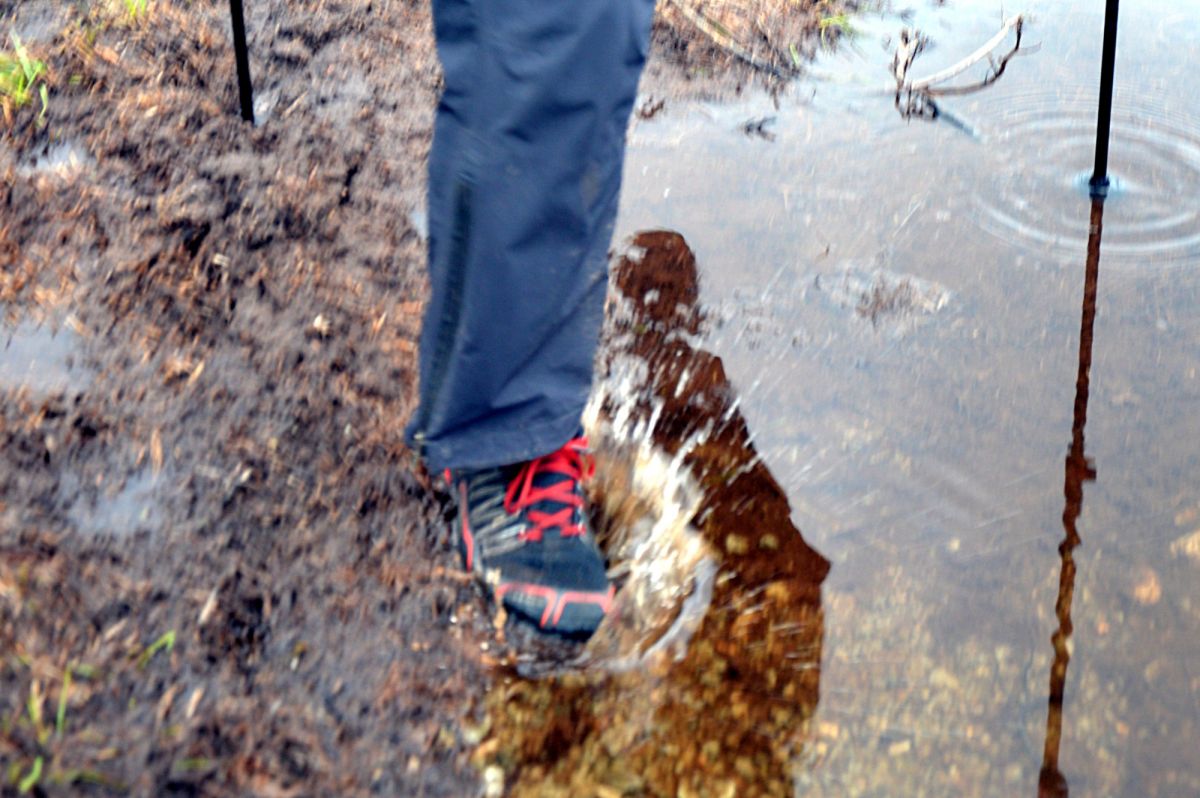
{"x":898,"y":304}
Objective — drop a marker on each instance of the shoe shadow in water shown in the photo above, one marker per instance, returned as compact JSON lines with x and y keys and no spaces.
{"x":702,"y":680}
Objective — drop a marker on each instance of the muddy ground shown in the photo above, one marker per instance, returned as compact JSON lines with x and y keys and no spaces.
{"x":221,"y":571}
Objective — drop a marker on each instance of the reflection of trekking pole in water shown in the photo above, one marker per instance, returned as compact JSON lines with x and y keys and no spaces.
{"x":1051,"y":782}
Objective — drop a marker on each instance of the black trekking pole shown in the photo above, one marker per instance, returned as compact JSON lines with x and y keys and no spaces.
{"x":1099,"y":181}
{"x":245,"y":90}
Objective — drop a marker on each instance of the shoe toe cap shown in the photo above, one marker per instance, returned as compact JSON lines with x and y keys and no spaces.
{"x":572,"y":613}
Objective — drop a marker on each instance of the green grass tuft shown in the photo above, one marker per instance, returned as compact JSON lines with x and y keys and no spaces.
{"x":34,"y":707}
{"x":31,"y":778}
{"x":835,"y":25}
{"x":135,"y":9}
{"x":60,"y":719}
{"x":19,"y":75}
{"x":167,"y":641}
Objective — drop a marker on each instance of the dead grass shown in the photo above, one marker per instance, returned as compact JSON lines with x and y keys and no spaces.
{"x":773,"y":37}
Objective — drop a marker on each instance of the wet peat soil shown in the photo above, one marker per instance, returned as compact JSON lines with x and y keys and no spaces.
{"x":221,"y":572}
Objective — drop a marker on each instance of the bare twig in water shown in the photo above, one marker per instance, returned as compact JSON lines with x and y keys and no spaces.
{"x":650,"y":108}
{"x":928,"y":83}
{"x":758,"y":127}
{"x":912,"y":42}
{"x":918,"y":94}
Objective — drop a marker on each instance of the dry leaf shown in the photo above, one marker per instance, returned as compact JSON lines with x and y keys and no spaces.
{"x":156,"y":450}
{"x":1188,"y":546}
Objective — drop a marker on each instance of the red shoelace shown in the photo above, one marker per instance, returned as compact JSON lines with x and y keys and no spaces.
{"x":571,"y":462}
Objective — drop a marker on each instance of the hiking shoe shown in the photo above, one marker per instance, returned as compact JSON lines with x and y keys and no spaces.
{"x":523,"y":532}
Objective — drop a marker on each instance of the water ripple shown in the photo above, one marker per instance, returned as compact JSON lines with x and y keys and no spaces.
{"x":1152,"y":216}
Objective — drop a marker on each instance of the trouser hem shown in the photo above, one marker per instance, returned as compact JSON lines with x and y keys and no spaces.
{"x":471,"y":449}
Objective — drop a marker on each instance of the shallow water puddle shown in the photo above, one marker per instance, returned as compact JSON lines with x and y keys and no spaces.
{"x":63,"y":159}
{"x":897,"y":310}
{"x":121,"y":509}
{"x":42,"y":359}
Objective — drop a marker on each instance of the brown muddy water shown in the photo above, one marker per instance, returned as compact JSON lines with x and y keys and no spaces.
{"x":892,"y":320}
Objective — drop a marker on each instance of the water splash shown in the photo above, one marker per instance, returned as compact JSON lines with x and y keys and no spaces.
{"x":713,"y":651}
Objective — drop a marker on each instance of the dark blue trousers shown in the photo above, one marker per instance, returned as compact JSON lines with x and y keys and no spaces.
{"x":524,"y":175}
